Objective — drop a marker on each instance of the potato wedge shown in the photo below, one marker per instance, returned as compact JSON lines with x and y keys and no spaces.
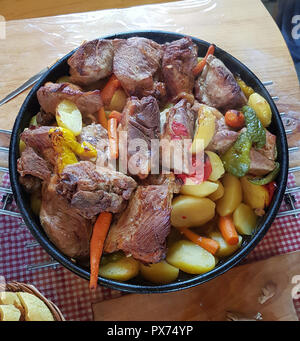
{"x":202,"y":190}
{"x":190,"y":257}
{"x":255,"y":196}
{"x":118,"y":101}
{"x":216,"y":165}
{"x":218,"y":193}
{"x":205,"y":129}
{"x":225,"y":249}
{"x":232,"y":195}
{"x":261,"y":107}
{"x":69,"y":117}
{"x":9,"y":313}
{"x":35,"y":309}
{"x":244,"y":219}
{"x":188,"y":211}
{"x":122,"y":269}
{"x":159,"y":273}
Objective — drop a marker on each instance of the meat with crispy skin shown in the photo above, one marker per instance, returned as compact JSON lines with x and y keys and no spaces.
{"x":64,"y":226}
{"x":92,"y":190}
{"x":217,"y":87}
{"x":141,"y":122}
{"x":179,"y":59}
{"x":179,"y":129}
{"x":136,"y":61}
{"x":142,"y":229}
{"x":91,"y":62}
{"x":51,"y":94}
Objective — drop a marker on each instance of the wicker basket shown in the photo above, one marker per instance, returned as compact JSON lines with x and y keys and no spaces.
{"x":16,"y":286}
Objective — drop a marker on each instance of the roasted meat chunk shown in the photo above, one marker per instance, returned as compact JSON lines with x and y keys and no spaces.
{"x":179,"y":59}
{"x":91,"y":62}
{"x":142,"y":229}
{"x":51,"y":94}
{"x":179,"y":128}
{"x":136,"y":61}
{"x":141,"y":122}
{"x":30,"y":163}
{"x":65,"y":227}
{"x":260,"y":164}
{"x":217,"y":87}
{"x":92,"y":190}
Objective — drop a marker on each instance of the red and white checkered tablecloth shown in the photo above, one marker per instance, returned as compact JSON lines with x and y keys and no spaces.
{"x":71,"y":293}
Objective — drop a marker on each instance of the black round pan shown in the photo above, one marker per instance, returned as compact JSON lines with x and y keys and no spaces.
{"x":31,"y":106}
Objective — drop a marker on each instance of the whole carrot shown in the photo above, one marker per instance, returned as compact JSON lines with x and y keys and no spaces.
{"x":228,"y":230}
{"x":208,"y":244}
{"x":113,"y":138}
{"x":108,"y":91}
{"x":199,"y":67}
{"x":96,"y":245}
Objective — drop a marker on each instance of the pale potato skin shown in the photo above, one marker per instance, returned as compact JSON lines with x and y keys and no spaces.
{"x":244,"y":219}
{"x":205,"y":129}
{"x":255,"y":196}
{"x":190,"y":258}
{"x":216,"y":165}
{"x":189,"y":211}
{"x":261,"y":107}
{"x":232,"y":195}
{"x":225,"y":249}
{"x":121,"y":270}
{"x":159,"y":273}
{"x":218,"y":194}
{"x":118,"y":101}
{"x":202,"y":190}
{"x":69,"y":117}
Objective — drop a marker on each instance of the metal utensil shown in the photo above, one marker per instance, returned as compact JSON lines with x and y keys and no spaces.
{"x":23,"y":87}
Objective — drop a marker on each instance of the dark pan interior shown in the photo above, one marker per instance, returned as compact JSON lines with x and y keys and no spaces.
{"x":30,"y":107}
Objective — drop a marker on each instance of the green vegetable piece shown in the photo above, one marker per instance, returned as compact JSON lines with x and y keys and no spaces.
{"x":268,"y":178}
{"x":237,"y":159}
{"x":255,"y":128}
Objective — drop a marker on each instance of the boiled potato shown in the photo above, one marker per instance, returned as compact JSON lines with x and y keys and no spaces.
{"x":232,"y":195}
{"x":255,"y":196}
{"x":35,"y":309}
{"x":244,"y":219}
{"x":225,"y":248}
{"x":119,"y":269}
{"x":188,"y":211}
{"x":218,"y":193}
{"x":205,"y":129}
{"x":261,"y":107}
{"x":216,"y":165}
{"x":159,"y":273}
{"x":9,"y":312}
{"x":69,"y":117}
{"x":63,"y":79}
{"x":118,"y":101}
{"x":190,"y":257}
{"x":202,"y":190}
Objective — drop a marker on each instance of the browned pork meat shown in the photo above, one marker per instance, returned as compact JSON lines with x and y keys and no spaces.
{"x":141,"y":122}
{"x":92,"y":189}
{"x":30,"y":183}
{"x":179,"y":59}
{"x":142,"y":229}
{"x":162,"y":179}
{"x":51,"y":94}
{"x":217,"y":87}
{"x":136,"y":61}
{"x":65,"y":227}
{"x":32,"y":164}
{"x":91,"y":62}
{"x":96,"y":135}
{"x":39,"y":140}
{"x":269,"y":150}
{"x":260,"y":164}
{"x":179,"y":126}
